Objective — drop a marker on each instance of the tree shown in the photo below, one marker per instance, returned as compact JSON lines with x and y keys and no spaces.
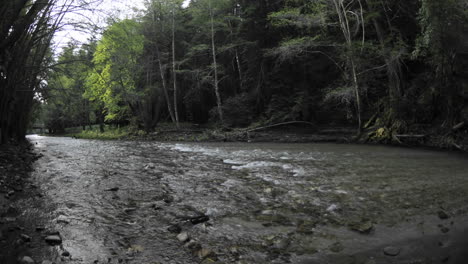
{"x":117,"y":70}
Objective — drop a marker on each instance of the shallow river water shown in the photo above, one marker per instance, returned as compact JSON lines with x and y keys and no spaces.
{"x":126,"y":202}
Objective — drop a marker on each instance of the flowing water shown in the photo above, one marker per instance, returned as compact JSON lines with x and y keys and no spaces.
{"x":125,"y":202}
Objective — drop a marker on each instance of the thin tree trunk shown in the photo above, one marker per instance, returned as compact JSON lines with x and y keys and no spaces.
{"x":215,"y":68}
{"x":163,"y":79}
{"x":174,"y":69}
{"x":342,"y":13}
{"x":239,"y":71}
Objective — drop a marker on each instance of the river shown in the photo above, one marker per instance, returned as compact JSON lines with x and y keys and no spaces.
{"x":127,"y":202}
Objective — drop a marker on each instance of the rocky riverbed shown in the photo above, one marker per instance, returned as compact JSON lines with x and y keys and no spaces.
{"x":88,"y":201}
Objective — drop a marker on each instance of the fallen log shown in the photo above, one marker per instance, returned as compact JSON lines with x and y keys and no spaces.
{"x":410,"y":136}
{"x":280,"y":124}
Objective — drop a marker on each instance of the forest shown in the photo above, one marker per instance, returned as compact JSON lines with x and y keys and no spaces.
{"x":383,"y":67}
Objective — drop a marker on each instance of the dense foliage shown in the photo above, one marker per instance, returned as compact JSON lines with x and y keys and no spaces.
{"x":388,"y":66}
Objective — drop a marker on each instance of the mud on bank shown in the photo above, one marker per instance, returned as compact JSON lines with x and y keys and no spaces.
{"x":16,"y":189}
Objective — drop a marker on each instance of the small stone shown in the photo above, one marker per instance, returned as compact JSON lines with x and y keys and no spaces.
{"x":11,"y":193}
{"x":47,"y":262}
{"x":442,"y":215}
{"x":40,"y":228}
{"x":65,"y":253}
{"x":205,"y":253}
{"x":25,"y":238}
{"x":53,"y":240}
{"x":444,"y":229}
{"x":183,"y":237}
{"x":174,"y":228}
{"x":62,"y":219}
{"x":27,"y":260}
{"x":391,"y":251}
{"x":362,"y":227}
{"x":193,"y":245}
{"x":113,"y":189}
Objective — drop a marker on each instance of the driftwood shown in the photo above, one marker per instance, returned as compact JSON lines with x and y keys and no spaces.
{"x":457,"y":146}
{"x":280,"y":124}
{"x":458,"y":126}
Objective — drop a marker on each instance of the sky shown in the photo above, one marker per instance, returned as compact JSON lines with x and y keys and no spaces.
{"x":118,"y":8}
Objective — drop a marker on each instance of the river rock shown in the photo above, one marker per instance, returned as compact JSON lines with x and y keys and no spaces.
{"x":27,"y":260}
{"x":65,"y":253}
{"x":364,"y":227}
{"x":183,"y":237}
{"x":62,"y":219}
{"x":174,"y":228}
{"x":444,"y":229}
{"x":53,"y":239}
{"x":25,"y":238}
{"x":391,"y":251}
{"x":206,"y":253}
{"x":442,"y":215}
{"x":199,"y":219}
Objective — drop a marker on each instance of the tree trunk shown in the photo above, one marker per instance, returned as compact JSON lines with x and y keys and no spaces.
{"x":215,"y":68}
{"x":174,"y":69}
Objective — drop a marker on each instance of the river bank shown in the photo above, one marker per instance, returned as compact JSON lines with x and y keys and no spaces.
{"x":421,"y":137}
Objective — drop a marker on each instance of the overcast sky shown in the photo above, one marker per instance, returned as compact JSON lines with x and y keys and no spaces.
{"x":116,"y":8}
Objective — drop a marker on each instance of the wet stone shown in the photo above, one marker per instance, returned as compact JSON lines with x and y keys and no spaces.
{"x":391,"y":251}
{"x":27,"y":260}
{"x":444,"y":229}
{"x":206,"y":253}
{"x":174,"y":228}
{"x":193,"y":245}
{"x":442,"y":215}
{"x":65,"y":253}
{"x":183,"y":237}
{"x":62,"y":219}
{"x":53,"y":240}
{"x":364,"y":227}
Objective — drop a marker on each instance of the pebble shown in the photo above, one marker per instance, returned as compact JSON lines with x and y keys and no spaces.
{"x":53,"y":239}
{"x":205,"y":253}
{"x":65,"y":253}
{"x":183,"y":237}
{"x":27,"y":260}
{"x":391,"y":251}
{"x":47,"y":262}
